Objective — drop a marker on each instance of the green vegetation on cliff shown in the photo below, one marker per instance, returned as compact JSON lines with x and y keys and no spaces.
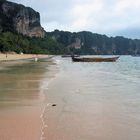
{"x":60,"y":42}
{"x":92,"y":43}
{"x":19,"y":43}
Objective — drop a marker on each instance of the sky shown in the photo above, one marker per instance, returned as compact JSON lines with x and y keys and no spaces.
{"x":110,"y":17}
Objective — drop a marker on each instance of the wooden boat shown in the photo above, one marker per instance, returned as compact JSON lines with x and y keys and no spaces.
{"x":94,"y":59}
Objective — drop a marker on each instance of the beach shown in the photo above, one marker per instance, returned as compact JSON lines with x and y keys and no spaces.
{"x":13,"y":57}
{"x":20,"y":124}
{"x":22,"y":97}
{"x":58,"y":99}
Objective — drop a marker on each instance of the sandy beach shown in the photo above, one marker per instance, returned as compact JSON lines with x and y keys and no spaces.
{"x":11,"y":57}
{"x":20,"y":124}
{"x":22,"y":97}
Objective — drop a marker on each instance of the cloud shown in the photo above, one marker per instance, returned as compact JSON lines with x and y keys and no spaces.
{"x":82,"y":13}
{"x":102,"y":16}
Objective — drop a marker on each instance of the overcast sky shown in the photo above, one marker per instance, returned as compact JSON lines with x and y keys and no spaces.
{"x":110,"y":17}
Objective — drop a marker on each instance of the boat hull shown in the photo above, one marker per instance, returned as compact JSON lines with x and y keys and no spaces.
{"x":95,"y":59}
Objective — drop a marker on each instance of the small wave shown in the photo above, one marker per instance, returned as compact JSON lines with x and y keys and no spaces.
{"x":122,"y":76}
{"x":45,"y":86}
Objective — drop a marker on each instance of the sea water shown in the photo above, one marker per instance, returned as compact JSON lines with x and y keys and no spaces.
{"x":94,"y":101}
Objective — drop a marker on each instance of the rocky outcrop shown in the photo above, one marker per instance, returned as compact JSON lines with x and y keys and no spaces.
{"x":18,"y":18}
{"x":91,"y":43}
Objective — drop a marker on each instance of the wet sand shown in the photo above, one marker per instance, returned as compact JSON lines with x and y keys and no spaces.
{"x":22,"y":98}
{"x":20,"y":124}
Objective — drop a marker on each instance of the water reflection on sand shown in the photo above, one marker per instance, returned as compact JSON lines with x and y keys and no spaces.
{"x":21,"y":81}
{"x":22,"y":98}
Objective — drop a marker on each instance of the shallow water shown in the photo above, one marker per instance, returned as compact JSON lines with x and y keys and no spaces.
{"x":95,"y":101}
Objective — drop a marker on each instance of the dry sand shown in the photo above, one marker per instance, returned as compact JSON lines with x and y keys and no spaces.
{"x":11,"y":57}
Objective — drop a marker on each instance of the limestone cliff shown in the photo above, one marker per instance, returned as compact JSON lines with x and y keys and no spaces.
{"x":91,"y":43}
{"x":18,"y":18}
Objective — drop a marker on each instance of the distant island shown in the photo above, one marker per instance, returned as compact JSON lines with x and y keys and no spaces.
{"x":21,"y":31}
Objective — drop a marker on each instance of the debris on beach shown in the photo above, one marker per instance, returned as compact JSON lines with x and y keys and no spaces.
{"x":53,"y":105}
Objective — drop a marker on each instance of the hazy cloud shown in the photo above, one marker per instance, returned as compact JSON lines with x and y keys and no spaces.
{"x":111,"y":17}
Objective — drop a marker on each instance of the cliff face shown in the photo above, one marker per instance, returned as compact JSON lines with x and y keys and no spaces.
{"x":18,"y":18}
{"x":91,"y":43}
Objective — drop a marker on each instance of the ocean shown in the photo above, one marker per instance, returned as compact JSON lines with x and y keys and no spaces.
{"x":95,"y":101}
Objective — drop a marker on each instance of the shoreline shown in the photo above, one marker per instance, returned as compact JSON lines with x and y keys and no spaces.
{"x":18,"y":57}
{"x":22,"y":110}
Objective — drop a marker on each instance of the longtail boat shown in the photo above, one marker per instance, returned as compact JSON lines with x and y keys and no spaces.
{"x":95,"y":59}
